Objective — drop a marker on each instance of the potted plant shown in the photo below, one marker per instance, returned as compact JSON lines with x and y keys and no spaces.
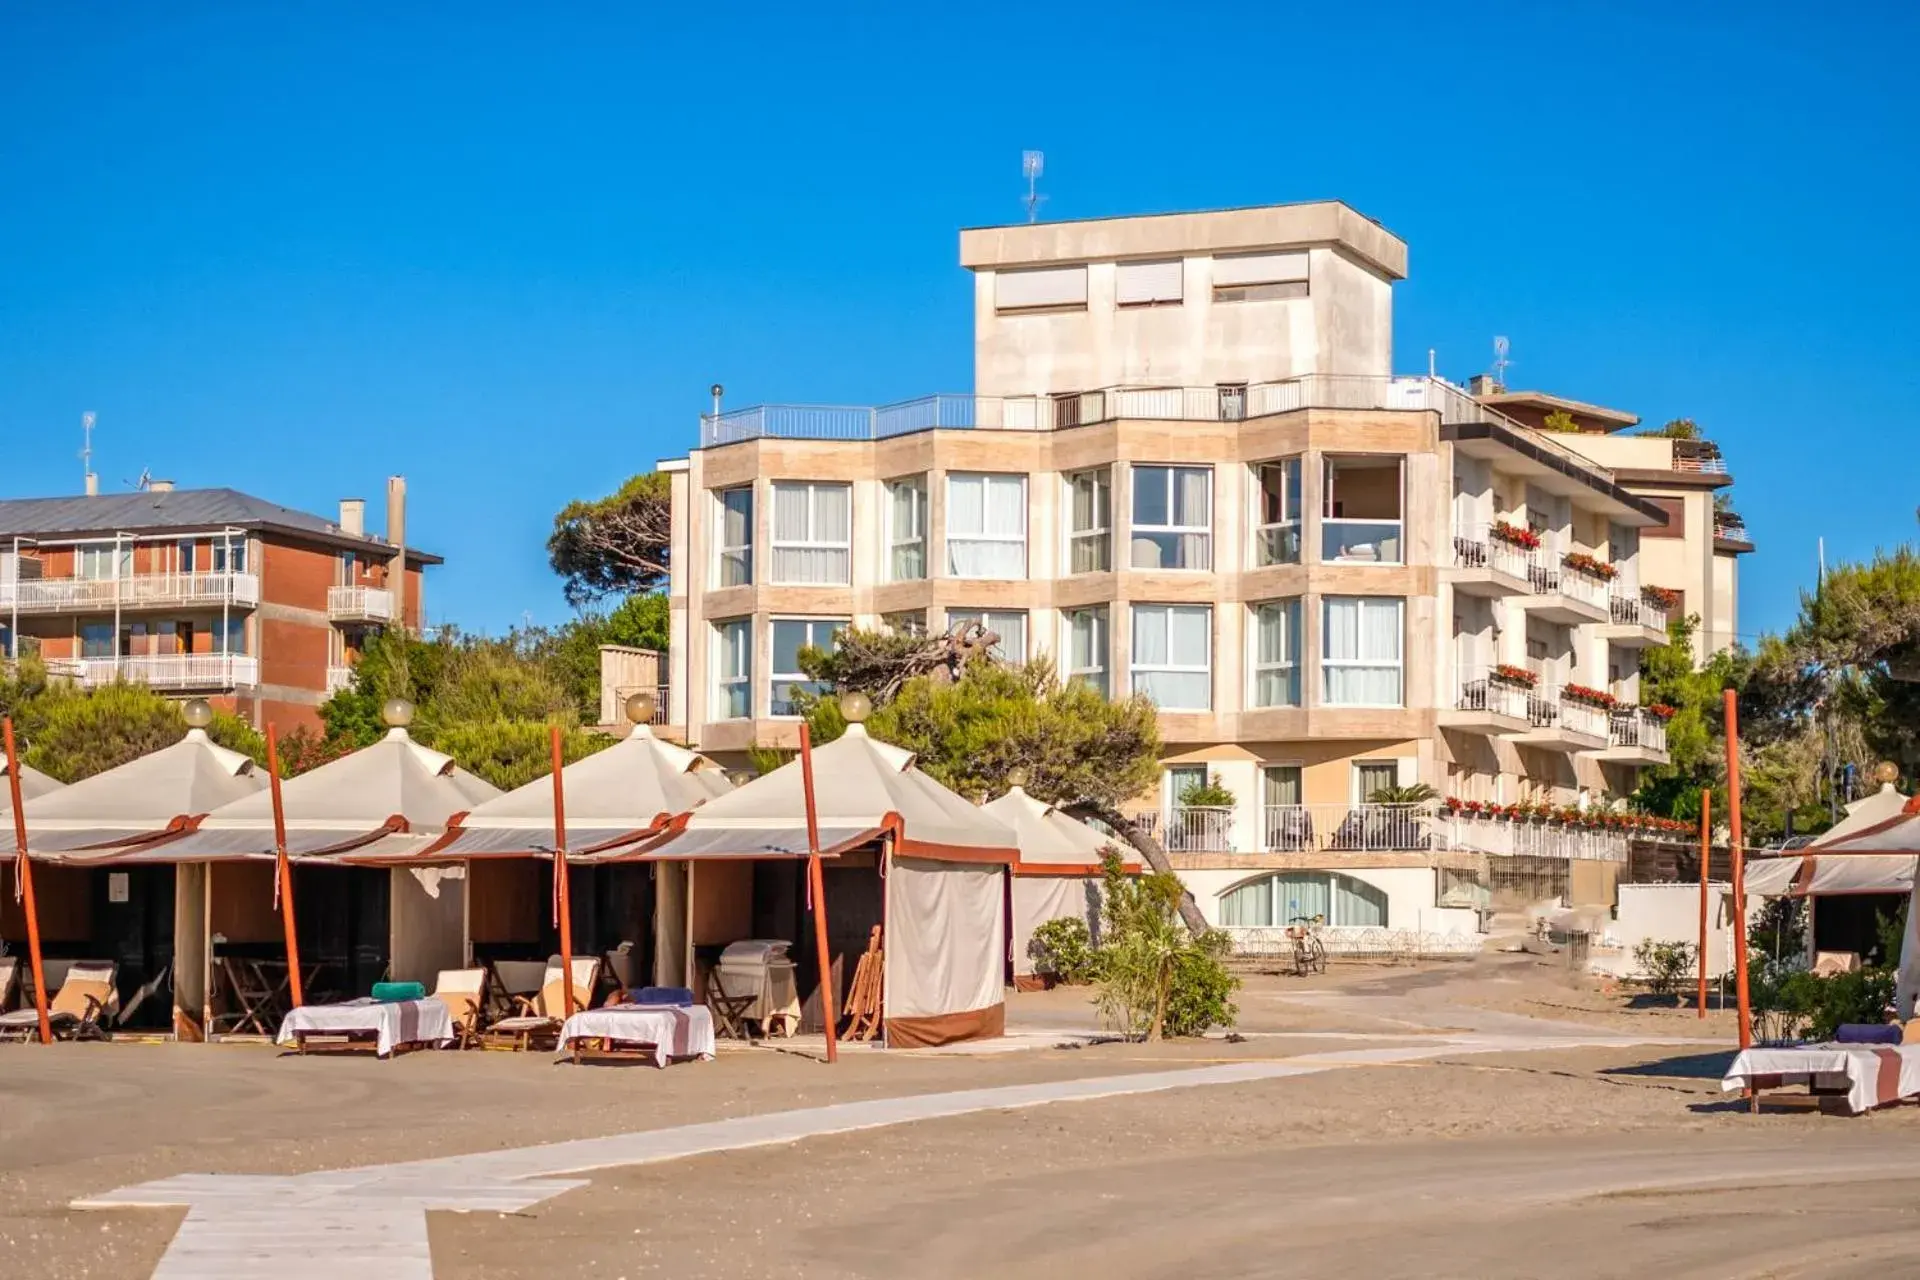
{"x":1206,"y":795}
{"x":1660,"y":711}
{"x":1515,"y":535}
{"x":1589,"y":696}
{"x":1581,"y":562}
{"x":1507,"y":673}
{"x":1661,"y":597}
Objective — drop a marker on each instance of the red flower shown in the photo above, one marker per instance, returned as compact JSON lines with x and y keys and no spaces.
{"x":1661,"y":711}
{"x":1511,"y":674}
{"x":1584,"y":563}
{"x":1515,"y":534}
{"x":1592,"y":697}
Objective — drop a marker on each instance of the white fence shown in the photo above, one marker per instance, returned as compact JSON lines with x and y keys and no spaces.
{"x":369,"y":604}
{"x":1475,"y":547}
{"x":164,"y":671}
{"x":1528,"y":839}
{"x":1482,"y":690}
{"x":141,"y":590}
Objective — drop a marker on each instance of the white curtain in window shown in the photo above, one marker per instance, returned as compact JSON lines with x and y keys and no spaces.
{"x":1363,"y":645}
{"x":1087,"y":647}
{"x":1248,"y":907}
{"x":987,"y":526}
{"x":736,"y":537}
{"x":1357,"y":903}
{"x":908,"y":560}
{"x":819,"y":517}
{"x":1172,"y":653}
{"x":1276,"y":646}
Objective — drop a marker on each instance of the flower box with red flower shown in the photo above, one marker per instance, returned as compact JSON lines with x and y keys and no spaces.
{"x":1581,"y":562}
{"x":1507,"y":673}
{"x":1589,"y":696}
{"x":1515,"y":535}
{"x":1662,"y":597}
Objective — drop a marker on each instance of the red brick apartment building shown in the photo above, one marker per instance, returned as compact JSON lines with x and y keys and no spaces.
{"x":205,"y":593}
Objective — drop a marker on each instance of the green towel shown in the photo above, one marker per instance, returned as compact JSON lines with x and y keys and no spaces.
{"x":389,"y":992}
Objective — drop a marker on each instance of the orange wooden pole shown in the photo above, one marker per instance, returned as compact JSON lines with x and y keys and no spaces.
{"x":1706,"y":857}
{"x":817,"y":888}
{"x":283,"y":868}
{"x":24,"y":869}
{"x":563,"y":901}
{"x":1739,"y":870}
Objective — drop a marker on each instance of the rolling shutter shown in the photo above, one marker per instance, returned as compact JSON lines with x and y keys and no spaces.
{"x":1137,"y":283}
{"x":1259,"y":268}
{"x":1040,"y":287}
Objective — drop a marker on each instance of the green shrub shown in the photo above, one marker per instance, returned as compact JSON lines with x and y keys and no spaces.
{"x":1210,"y":794}
{"x":1202,"y":992}
{"x":1800,"y":1004}
{"x":1666,"y":965}
{"x":1155,"y":979}
{"x":1064,"y":949}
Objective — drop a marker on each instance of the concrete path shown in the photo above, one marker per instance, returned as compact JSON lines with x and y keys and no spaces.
{"x":370,"y":1222}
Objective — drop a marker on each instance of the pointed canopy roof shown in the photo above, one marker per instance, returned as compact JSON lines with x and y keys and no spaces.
{"x":1050,"y":842}
{"x":394,"y":785}
{"x":33,"y":785}
{"x":1863,"y":814}
{"x":614,"y":796}
{"x":862,"y":789}
{"x":1898,"y":832}
{"x":142,"y":799}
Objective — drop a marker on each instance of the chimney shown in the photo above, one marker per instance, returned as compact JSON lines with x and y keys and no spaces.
{"x":159,"y":486}
{"x":1483,"y":384}
{"x":397,"y":535}
{"x":93,"y":485}
{"x":353,"y":516}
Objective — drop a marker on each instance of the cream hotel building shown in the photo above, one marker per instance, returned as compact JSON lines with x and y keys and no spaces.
{"x":1188,"y":470}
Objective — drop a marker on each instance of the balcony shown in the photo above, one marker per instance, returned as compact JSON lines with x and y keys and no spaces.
{"x":1191,"y":828}
{"x":1490,"y":700}
{"x":134,"y":592}
{"x":1638,"y":622}
{"x":360,"y":604}
{"x":339,"y":679}
{"x":1528,"y":838}
{"x":1565,"y":594}
{"x":1488,"y":563}
{"x":170,"y":671}
{"x":1346,"y":828}
{"x":1557,"y":722}
{"x":1635,"y":736}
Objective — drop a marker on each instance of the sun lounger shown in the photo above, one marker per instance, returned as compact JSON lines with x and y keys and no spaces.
{"x":464,"y":992}
{"x":80,"y":1010}
{"x":540,"y":1018}
{"x":1859,"y":1076}
{"x":651,"y":1033}
{"x":385,"y":1026}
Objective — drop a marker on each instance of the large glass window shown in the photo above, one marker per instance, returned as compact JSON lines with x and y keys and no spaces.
{"x":1362,"y":642}
{"x":98,"y":563}
{"x":1276,"y":901}
{"x":734,"y":516}
{"x":1086,"y":645}
{"x":1090,"y":521}
{"x":1276,"y":534}
{"x":812,"y":533}
{"x":1173,"y":655}
{"x":96,"y":640}
{"x":1361,"y":515}
{"x":1172,"y":518}
{"x":986,"y":525}
{"x":229,"y":635}
{"x":1371,"y":777}
{"x":906,"y":529}
{"x":1276,"y":654}
{"x":1009,"y":624}
{"x":790,"y":635}
{"x":229,"y":556}
{"x":733,"y":669}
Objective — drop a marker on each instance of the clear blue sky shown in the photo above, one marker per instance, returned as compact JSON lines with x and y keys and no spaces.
{"x":294,"y":248}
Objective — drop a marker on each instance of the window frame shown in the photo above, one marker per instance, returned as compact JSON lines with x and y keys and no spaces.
{"x":1100,"y":534}
{"x":813,"y":542}
{"x":723,"y":680}
{"x":1270,"y":881}
{"x":1179,"y":531}
{"x":1292,"y":494}
{"x":922,"y":513}
{"x":721,"y":550}
{"x":776,"y":677}
{"x":1135,"y":666}
{"x":1120,"y":269}
{"x":1294,"y":625}
{"x":1328,"y":461}
{"x":988,"y":479}
{"x":1098,"y":677}
{"x":1329,"y":663}
{"x":981,"y":615}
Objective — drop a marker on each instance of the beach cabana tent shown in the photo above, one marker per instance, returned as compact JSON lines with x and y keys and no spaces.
{"x":899,"y":850}
{"x":98,"y":899}
{"x":614,"y":797}
{"x":1058,"y":876}
{"x":33,"y":785}
{"x":1893,"y":844}
{"x":1848,"y":872}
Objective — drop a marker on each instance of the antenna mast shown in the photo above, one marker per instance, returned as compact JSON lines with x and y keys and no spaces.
{"x":1500,"y":362}
{"x":1033,"y":164}
{"x":91,"y":480}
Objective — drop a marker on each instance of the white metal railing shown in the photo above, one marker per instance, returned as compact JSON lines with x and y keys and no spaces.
{"x":1630,"y":727}
{"x":1475,"y":547}
{"x":140,"y":590}
{"x":1191,"y":828}
{"x":1528,"y":838}
{"x":1631,"y":609}
{"x":1345,"y":828}
{"x":165,"y":671}
{"x":371,"y":604}
{"x":660,"y":702}
{"x":1549,"y":576}
{"x":339,"y":678}
{"x":1483,"y":690}
{"x":1583,"y":718}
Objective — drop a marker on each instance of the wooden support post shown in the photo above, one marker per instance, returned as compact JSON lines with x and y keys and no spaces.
{"x":563,"y":901}
{"x":23,"y":868}
{"x":1739,"y":871}
{"x":283,"y":870}
{"x":1706,"y":858}
{"x":817,"y":887}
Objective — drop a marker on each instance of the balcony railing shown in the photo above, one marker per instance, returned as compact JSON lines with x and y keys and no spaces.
{"x":1728,"y":525}
{"x":140,"y":590}
{"x":1631,"y":609}
{"x":1346,"y":828}
{"x":1583,"y":718}
{"x":1482,"y":690}
{"x":163,"y":671}
{"x":360,"y":604}
{"x":1549,"y":576}
{"x":1701,"y":457}
{"x":660,"y":702}
{"x":339,"y":678}
{"x":1631,"y":727}
{"x":1528,"y":839}
{"x":1191,"y":828}
{"x":1475,"y":547}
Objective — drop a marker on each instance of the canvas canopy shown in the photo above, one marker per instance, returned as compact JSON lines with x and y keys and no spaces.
{"x":1894,"y":841}
{"x":142,"y":801}
{"x":33,"y":785}
{"x":1059,"y":873}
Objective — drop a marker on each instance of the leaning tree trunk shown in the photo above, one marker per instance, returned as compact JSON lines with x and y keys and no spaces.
{"x":1151,"y":852}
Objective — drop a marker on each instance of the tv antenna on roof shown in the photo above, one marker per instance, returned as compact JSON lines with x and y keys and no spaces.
{"x":1500,"y":362}
{"x":91,"y":480}
{"x":1033,"y":164}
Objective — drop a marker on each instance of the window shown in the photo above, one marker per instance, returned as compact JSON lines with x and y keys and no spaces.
{"x":1370,"y":777}
{"x":1276,"y":654}
{"x":986,"y":525}
{"x":1172,"y":655}
{"x":1260,"y":277}
{"x":812,"y":533}
{"x":734,"y":515}
{"x":184,"y":555}
{"x":1360,"y":521}
{"x":1276,"y":534}
{"x":1361,"y":636}
{"x":1172,"y":518}
{"x":349,"y":568}
{"x":1286,"y":827}
{"x":1086,"y":646}
{"x":906,"y":529}
{"x":1009,"y":624}
{"x":230,"y":556}
{"x":1149,"y":284}
{"x":733,"y":669}
{"x":790,"y":635}
{"x":229,"y":635}
{"x":908,"y":622}
{"x":97,"y":563}
{"x":1276,"y":901}
{"x":1040,"y":289}
{"x":96,"y":640}
{"x":1090,"y":521}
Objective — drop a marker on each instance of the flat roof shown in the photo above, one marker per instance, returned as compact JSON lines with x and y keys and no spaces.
{"x":1272,"y":226}
{"x":1579,"y":408}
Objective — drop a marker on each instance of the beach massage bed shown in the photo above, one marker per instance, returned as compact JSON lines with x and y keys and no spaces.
{"x":1859,"y":1077}
{"x":656,"y":1033}
{"x":385,"y":1026}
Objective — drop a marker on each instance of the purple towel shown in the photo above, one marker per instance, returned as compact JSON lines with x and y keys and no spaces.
{"x":1867,"y":1033}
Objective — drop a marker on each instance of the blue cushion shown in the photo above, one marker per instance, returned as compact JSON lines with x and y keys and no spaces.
{"x":392,"y":992}
{"x":1867,"y":1033}
{"x":675,"y":995}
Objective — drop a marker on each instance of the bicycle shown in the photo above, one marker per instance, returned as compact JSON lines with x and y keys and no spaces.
{"x":1309,"y":952}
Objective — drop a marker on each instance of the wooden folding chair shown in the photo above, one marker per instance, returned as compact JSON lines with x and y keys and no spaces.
{"x":540,"y":1018}
{"x":253,"y":991}
{"x":464,"y":992}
